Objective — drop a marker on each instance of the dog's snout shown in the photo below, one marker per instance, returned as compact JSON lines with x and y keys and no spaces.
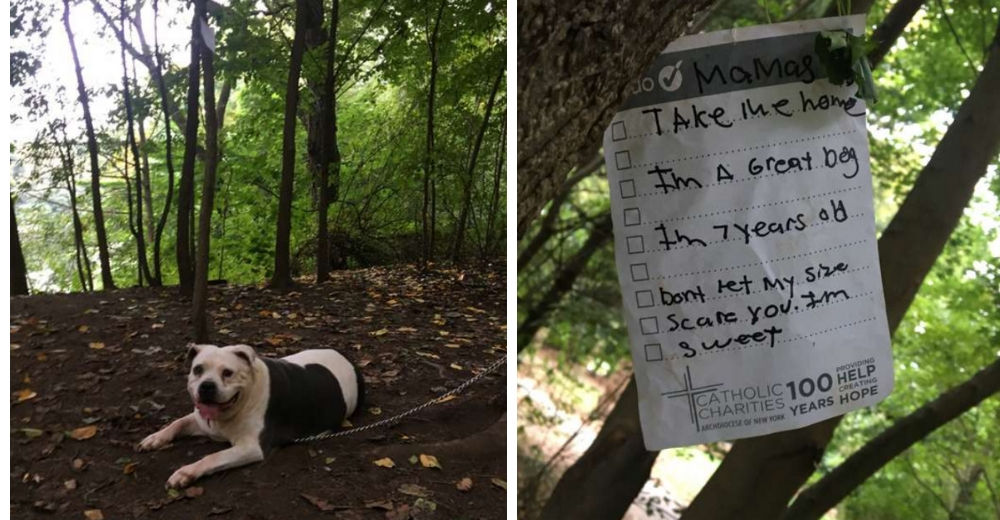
{"x":207,"y":391}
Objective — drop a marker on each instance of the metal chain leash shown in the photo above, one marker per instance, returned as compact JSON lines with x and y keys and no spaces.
{"x":398,"y":417}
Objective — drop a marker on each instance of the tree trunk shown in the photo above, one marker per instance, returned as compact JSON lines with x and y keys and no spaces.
{"x":185,"y":195}
{"x":966,"y":490}
{"x":200,"y":300}
{"x":282,"y":278}
{"x":138,"y":231}
{"x":18,"y":269}
{"x":759,"y":476}
{"x":82,"y":257}
{"x":817,"y":499}
{"x":330,"y":156}
{"x":498,"y":165}
{"x":471,"y":170}
{"x":427,"y":219}
{"x":95,"y":170}
{"x":574,"y":63}
{"x":161,"y":88}
{"x":892,"y":26}
{"x":613,"y":469}
{"x":563,"y":283}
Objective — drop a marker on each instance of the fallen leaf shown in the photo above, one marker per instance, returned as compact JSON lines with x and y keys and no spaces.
{"x":380,"y":504}
{"x":194,"y":491}
{"x":320,"y":503}
{"x":414,"y":459}
{"x":83,"y":433}
{"x":406,"y":329}
{"x":499,"y":483}
{"x":375,"y":410}
{"x":446,"y":398}
{"x":83,"y":329}
{"x":93,"y":514}
{"x":70,"y":484}
{"x":443,"y":332}
{"x":96,"y":345}
{"x":414,"y":490}
{"x":425,"y":505}
{"x":401,"y":513}
{"x":329,"y":460}
{"x":452,"y":345}
{"x":428,"y":355}
{"x":456,"y":366}
{"x":379,"y":332}
{"x":464,"y":485}
{"x":385,"y":463}
{"x":24,"y":395}
{"x":78,"y":464}
{"x":429,"y":461}
{"x":129,"y":468}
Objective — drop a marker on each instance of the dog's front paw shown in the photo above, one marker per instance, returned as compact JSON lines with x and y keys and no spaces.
{"x":183,"y":477}
{"x":154,"y":441}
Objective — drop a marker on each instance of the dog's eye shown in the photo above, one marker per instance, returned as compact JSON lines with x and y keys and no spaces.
{"x":197,"y":370}
{"x":227,"y":373}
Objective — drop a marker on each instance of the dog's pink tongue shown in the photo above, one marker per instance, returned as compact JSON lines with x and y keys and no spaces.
{"x":209,"y":412}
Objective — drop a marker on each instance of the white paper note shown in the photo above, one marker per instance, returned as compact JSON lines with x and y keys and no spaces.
{"x":745,"y":238}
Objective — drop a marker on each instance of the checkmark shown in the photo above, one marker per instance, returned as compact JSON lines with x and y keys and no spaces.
{"x":671,"y":77}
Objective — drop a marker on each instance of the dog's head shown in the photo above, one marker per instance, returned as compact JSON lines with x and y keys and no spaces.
{"x":219,"y":377}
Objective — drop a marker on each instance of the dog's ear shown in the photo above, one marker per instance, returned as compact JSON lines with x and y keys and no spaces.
{"x":246,"y":353}
{"x":192,"y":352}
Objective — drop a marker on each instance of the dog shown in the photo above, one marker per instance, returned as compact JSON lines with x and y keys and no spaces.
{"x":256,"y":403}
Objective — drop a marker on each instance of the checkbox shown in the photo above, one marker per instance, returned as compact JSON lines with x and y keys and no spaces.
{"x":644,"y":299}
{"x":632,"y":216}
{"x":618,"y":132}
{"x":649,"y":325}
{"x":640,"y":272}
{"x":623,"y":160}
{"x":653,"y":352}
{"x":634,"y":244}
{"x":627,"y":188}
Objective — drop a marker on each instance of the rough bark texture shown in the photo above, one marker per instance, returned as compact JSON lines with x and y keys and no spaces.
{"x":18,"y":269}
{"x":563,"y":283}
{"x":199,"y":314}
{"x":185,"y":195}
{"x":498,"y":164}
{"x":601,"y":484}
{"x":330,"y":156}
{"x":822,"y":496}
{"x":161,"y":89}
{"x":95,"y":170}
{"x":470,"y":172}
{"x":575,"y":62}
{"x":282,"y":278}
{"x":760,"y":475}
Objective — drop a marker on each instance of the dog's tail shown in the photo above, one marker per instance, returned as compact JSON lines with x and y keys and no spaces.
{"x":361,"y":389}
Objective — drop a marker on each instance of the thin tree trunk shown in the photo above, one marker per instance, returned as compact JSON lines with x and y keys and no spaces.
{"x":330,"y":156}
{"x":18,"y":269}
{"x":200,"y":300}
{"x":82,"y":258}
{"x":817,"y":499}
{"x":185,"y":195}
{"x":161,"y":88}
{"x":498,"y":165}
{"x":966,"y":490}
{"x":95,"y":171}
{"x":138,"y":231}
{"x":147,"y":192}
{"x":563,"y":282}
{"x":547,"y":227}
{"x":471,"y":170}
{"x":892,"y":26}
{"x":282,"y":278}
{"x":428,"y":212}
{"x":759,"y":475}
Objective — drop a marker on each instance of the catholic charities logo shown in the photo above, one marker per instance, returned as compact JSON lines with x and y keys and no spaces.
{"x":712,"y":407}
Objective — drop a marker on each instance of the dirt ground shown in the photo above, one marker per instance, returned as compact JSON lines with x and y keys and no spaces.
{"x":92,"y":374}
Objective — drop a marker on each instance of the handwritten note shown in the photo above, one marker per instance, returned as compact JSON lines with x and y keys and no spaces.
{"x":744,"y":238}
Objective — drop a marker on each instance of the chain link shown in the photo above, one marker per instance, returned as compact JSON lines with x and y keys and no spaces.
{"x":398,"y":417}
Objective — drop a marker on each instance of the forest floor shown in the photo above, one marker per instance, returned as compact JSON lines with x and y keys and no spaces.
{"x":92,"y":374}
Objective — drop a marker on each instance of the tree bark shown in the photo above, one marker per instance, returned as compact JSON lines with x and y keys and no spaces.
{"x":330,"y":156}
{"x":760,"y":475}
{"x":498,"y":166}
{"x":80,"y":247}
{"x":563,"y":283}
{"x":282,"y":278}
{"x":817,"y":499}
{"x":200,"y":300}
{"x":185,"y":195}
{"x":427,"y":213}
{"x":891,"y":28}
{"x":471,"y":170}
{"x":18,"y":269}
{"x":107,"y":280}
{"x":574,"y":65}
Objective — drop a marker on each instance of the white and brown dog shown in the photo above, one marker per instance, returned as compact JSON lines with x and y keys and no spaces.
{"x":256,"y":403}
